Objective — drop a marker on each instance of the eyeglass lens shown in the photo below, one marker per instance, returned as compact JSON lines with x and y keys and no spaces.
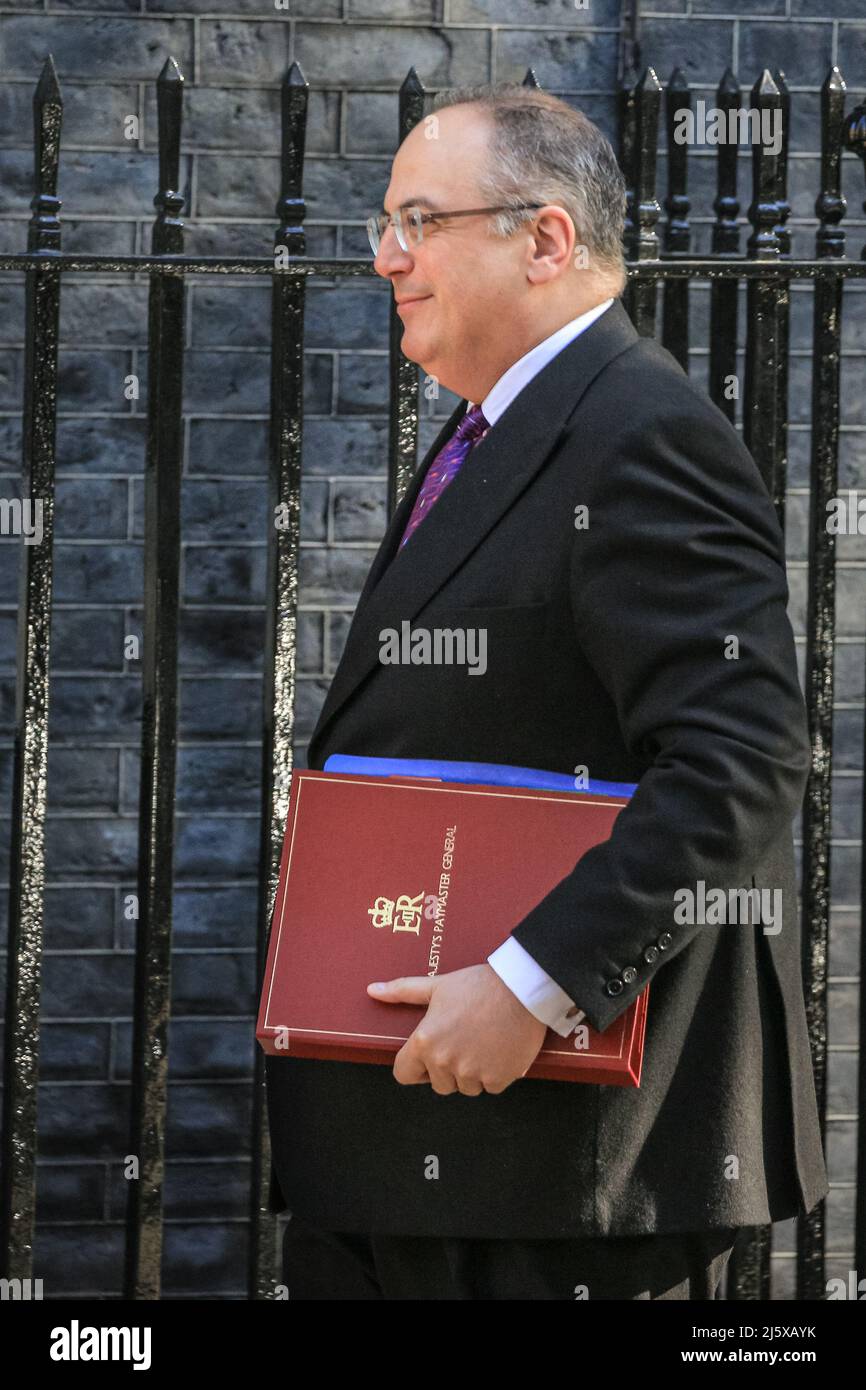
{"x":407,"y":224}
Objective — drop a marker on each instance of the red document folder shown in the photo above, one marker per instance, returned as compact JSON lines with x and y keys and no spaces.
{"x":389,"y":876}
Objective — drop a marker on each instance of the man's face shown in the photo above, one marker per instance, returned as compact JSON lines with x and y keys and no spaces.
{"x":461,"y":289}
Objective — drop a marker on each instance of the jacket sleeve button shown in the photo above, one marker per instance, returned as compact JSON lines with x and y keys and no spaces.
{"x":664,"y":941}
{"x":629,"y":974}
{"x":651,"y":954}
{"x":613,"y":987}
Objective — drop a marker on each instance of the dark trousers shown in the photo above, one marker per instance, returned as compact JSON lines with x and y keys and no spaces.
{"x":321,"y":1264}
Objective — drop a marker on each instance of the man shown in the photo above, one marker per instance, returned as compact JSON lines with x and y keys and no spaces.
{"x":594,"y":513}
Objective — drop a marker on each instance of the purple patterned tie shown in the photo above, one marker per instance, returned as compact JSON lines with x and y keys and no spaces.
{"x":444,"y":467}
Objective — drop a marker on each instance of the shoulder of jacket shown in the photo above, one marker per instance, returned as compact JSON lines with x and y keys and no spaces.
{"x":653,"y":389}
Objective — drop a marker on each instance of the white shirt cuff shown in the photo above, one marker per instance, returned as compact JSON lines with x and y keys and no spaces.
{"x":542,"y":996}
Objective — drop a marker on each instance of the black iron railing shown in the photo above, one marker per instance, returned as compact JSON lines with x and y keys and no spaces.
{"x":767,"y":270}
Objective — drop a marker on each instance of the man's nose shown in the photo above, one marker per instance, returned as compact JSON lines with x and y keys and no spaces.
{"x":391,"y":259}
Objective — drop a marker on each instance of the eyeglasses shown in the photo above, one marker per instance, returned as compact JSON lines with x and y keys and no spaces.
{"x":408,"y":223}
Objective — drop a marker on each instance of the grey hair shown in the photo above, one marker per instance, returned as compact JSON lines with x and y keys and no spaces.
{"x":545,"y":151}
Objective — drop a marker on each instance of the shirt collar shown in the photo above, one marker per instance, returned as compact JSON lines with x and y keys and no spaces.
{"x":512,"y":382}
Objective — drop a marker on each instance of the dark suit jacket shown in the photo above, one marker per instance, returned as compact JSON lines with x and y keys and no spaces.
{"x":606,"y":647}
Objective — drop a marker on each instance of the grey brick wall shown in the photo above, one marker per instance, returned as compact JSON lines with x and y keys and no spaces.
{"x":233,"y":54}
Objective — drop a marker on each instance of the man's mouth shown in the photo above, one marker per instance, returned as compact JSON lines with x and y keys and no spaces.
{"x":411,"y":300}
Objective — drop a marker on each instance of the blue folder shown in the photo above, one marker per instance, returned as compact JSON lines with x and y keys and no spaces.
{"x":502,"y":774}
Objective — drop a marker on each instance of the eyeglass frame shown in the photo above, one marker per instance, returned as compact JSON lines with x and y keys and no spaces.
{"x":379,"y":225}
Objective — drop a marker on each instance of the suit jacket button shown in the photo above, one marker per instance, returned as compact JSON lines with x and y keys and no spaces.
{"x":651,"y":954}
{"x":664,"y":941}
{"x":629,"y":974}
{"x":613,"y":987}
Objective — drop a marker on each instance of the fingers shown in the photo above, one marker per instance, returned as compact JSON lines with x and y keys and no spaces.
{"x":441,"y":1079}
{"x":443,"y":1082}
{"x":406,"y":989}
{"x":417,"y":1064}
{"x":409,"y":1068}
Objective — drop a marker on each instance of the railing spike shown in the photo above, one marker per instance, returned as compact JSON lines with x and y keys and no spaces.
{"x":170,"y":71}
{"x":48,"y":86}
{"x":765,"y":85}
{"x":729,"y":84}
{"x":412,"y":82}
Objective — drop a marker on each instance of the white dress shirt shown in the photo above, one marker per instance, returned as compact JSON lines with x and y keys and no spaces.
{"x":535,"y":989}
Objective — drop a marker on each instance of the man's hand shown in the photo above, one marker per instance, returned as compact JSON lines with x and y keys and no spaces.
{"x":475,"y":1036}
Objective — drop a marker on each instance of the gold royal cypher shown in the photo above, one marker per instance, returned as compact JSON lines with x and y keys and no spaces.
{"x":402,"y":914}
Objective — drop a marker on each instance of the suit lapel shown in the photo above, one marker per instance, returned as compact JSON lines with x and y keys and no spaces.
{"x":494,"y":475}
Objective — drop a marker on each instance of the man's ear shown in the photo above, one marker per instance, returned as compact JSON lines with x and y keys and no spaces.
{"x":552,"y":245}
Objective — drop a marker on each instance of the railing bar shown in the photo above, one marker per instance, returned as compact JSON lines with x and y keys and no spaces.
{"x":750,"y":1264}
{"x":817,"y":806}
{"x":403,"y":374}
{"x":278,"y":689}
{"x":29,"y":776}
{"x":677,"y":232}
{"x":152,"y":1003}
{"x":645,"y":242}
{"x":701,"y":267}
{"x":820,"y":642}
{"x":627,"y":132}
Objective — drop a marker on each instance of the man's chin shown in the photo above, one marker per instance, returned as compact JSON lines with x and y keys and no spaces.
{"x":412,"y":347}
